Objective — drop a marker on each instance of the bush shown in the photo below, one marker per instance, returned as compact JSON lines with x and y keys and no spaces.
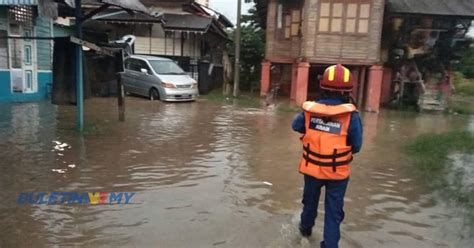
{"x":463,"y":86}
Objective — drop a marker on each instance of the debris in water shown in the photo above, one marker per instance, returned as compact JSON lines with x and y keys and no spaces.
{"x":268,"y":183}
{"x":57,"y":142}
{"x":60,"y":171}
{"x":71,"y":166}
{"x":60,"y":154}
{"x":59,"y":148}
{"x":134,"y":151}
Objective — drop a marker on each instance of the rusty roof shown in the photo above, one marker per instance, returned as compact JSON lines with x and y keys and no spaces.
{"x":134,"y":5}
{"x":462,"y":8}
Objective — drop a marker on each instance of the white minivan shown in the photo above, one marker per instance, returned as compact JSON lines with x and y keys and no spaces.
{"x":158,"y":78}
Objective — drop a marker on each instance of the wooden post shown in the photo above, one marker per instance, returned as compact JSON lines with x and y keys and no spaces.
{"x":120,"y":98}
{"x":150,"y":40}
{"x":361,"y":89}
{"x":182,"y":44}
{"x":237,"y":49}
{"x":166,"y":46}
{"x":174,"y":42}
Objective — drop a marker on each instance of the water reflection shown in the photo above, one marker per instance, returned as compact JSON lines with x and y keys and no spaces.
{"x":206,"y":175}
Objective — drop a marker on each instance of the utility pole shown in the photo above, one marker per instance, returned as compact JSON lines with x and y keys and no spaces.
{"x":237,"y":49}
{"x":79,"y":70}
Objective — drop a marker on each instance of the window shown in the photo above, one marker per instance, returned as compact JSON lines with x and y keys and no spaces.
{"x":340,"y":17}
{"x":364,"y":16}
{"x":21,"y":14}
{"x":15,"y":47}
{"x":136,"y":65}
{"x":357,"y":18}
{"x":28,"y":55}
{"x":280,"y":16}
{"x":331,"y":17}
{"x":295,"y":22}
{"x":292,"y":21}
{"x":29,"y":80}
{"x":166,"y":67}
{"x":324,"y":17}
{"x":288,"y":20}
{"x":3,"y":50}
{"x":142,"y":65}
{"x":287,"y":26}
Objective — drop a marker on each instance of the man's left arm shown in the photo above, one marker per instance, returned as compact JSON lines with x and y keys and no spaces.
{"x":355,"y":133}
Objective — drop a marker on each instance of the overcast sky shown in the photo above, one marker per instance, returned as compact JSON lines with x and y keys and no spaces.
{"x":229,"y":8}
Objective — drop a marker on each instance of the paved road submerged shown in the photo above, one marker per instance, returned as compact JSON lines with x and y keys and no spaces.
{"x":206,"y":175}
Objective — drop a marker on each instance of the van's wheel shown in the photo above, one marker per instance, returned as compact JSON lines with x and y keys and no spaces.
{"x":154,"y":94}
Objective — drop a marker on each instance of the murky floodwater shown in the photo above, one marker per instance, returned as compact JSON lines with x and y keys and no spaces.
{"x":206,"y":175}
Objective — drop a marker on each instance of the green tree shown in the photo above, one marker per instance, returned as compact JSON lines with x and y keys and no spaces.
{"x":467,"y":63}
{"x":252,"y":49}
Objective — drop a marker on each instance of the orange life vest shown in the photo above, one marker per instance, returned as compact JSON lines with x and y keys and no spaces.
{"x":326,"y":154}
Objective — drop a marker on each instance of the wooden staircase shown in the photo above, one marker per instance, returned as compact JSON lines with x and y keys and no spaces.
{"x":431,"y":100}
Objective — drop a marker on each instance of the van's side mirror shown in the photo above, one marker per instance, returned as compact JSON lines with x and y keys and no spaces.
{"x":143,"y":70}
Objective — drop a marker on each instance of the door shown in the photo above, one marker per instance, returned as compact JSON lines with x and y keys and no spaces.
{"x":28,"y":61}
{"x":127,"y":77}
{"x":145,"y":81}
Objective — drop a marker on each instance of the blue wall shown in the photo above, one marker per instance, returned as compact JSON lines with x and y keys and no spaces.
{"x":44,"y":47}
{"x":43,"y":27}
{"x":45,"y":80}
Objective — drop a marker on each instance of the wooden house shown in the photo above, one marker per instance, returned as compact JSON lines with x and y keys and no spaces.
{"x":422,"y":40}
{"x":305,"y":36}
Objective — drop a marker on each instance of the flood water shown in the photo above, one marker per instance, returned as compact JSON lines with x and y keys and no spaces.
{"x":207,"y":175}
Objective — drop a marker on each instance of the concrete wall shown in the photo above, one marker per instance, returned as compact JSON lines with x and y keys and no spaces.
{"x":45,"y":79}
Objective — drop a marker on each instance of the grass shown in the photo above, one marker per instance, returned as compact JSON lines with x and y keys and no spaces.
{"x":462,"y":108}
{"x":430,"y":152}
{"x":249,"y":100}
{"x":285,"y":108}
{"x":92,"y":127}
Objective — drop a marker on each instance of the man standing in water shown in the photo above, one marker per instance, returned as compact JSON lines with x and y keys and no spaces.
{"x":332,"y":133}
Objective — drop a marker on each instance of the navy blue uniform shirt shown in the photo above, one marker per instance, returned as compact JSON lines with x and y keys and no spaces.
{"x":354,"y":134}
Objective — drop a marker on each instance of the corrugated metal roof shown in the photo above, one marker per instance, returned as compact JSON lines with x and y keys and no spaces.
{"x":135,"y":5}
{"x":125,"y":17}
{"x":18,"y":2}
{"x":186,"y":22}
{"x":433,"y":7}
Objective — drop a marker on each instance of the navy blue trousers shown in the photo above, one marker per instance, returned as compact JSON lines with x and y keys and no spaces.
{"x":333,"y":207}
